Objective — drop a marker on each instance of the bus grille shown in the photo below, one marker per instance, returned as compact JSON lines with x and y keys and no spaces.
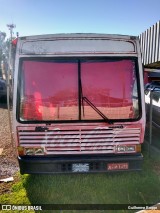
{"x":78,"y":141}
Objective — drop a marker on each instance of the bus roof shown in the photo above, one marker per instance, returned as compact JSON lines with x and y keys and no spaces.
{"x":81,"y":35}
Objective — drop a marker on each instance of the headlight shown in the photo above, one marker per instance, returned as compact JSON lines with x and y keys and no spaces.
{"x":39,"y":151}
{"x":125,"y":148}
{"x":29,"y":151}
{"x":34,"y":151}
{"x":121,"y":148}
{"x":130,"y":148}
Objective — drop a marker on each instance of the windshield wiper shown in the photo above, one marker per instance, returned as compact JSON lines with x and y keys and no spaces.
{"x":83,"y":98}
{"x":96,"y":109}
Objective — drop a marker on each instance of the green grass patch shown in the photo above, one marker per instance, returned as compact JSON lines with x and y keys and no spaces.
{"x":102,"y":188}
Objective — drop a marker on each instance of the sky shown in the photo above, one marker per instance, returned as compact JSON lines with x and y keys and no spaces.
{"x":35,"y":17}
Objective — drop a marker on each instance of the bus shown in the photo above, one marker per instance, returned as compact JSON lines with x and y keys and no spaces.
{"x":78,"y":103}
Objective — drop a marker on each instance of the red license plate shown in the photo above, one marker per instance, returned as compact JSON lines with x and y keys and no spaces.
{"x":117,"y":166}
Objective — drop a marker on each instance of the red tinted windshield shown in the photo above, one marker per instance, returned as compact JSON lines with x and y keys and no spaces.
{"x":55,"y":90}
{"x":49,"y":91}
{"x":109,"y":86}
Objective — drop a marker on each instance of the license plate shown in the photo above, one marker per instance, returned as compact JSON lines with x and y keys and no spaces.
{"x":80,"y":167}
{"x":117,"y":166}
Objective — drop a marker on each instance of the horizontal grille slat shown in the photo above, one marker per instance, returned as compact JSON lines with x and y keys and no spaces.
{"x":77,"y":133}
{"x":73,"y":144}
{"x":80,"y":148}
{"x":48,"y":137}
{"x":78,"y":152}
{"x":83,"y":141}
{"x":78,"y":141}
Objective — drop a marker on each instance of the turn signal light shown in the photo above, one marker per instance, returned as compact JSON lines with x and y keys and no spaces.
{"x":20,"y":150}
{"x":138,"y":148}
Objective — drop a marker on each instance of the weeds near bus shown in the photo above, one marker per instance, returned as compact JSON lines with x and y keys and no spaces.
{"x":127,"y":188}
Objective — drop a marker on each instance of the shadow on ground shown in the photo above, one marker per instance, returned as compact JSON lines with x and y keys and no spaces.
{"x":3,"y":103}
{"x":155,"y":136}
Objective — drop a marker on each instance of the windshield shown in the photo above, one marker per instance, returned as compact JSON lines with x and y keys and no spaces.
{"x":73,"y":90}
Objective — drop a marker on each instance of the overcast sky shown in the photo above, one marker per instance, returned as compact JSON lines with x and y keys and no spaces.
{"x":33,"y":17}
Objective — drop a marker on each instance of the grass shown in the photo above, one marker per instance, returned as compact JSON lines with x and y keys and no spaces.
{"x":118,"y":188}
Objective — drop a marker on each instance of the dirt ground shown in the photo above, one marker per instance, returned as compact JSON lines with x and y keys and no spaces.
{"x":8,"y":161}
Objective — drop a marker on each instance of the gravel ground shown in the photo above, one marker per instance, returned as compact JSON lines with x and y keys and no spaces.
{"x":8,"y":161}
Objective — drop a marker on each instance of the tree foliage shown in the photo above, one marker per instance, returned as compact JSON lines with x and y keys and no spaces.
{"x":4,"y":49}
{"x":4,"y":46}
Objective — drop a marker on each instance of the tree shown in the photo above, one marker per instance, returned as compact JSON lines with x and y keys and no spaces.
{"x":4,"y":51}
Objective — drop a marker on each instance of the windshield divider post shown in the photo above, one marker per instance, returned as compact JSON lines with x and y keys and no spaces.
{"x":79,"y":89}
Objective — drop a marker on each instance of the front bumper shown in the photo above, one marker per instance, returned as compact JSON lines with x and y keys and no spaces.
{"x":50,"y":165}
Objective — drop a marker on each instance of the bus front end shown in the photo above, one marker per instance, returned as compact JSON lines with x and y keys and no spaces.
{"x":78,"y":103}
